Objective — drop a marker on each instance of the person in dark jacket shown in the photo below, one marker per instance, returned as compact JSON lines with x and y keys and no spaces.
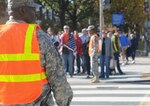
{"x":106,"y":52}
{"x":85,"y":46}
{"x":133,"y":47}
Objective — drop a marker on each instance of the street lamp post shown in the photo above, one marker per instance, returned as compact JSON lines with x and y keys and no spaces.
{"x":147,"y":26}
{"x":101,"y":15}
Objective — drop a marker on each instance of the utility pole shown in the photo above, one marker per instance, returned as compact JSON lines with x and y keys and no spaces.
{"x":147,"y":26}
{"x":89,"y":21}
{"x":101,"y":15}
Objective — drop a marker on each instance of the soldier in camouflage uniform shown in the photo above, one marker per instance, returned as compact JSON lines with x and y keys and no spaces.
{"x":50,"y":58}
{"x":94,"y":52}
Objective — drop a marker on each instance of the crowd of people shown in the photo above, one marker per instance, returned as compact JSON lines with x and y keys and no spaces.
{"x":89,"y":48}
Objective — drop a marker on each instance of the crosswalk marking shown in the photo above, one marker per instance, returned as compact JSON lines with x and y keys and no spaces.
{"x":102,"y":105}
{"x":111,"y":92}
{"x":119,"y":86}
{"x":108,"y":94}
{"x":110,"y":99}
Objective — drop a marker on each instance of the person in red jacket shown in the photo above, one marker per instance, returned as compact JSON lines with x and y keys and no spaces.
{"x":78,"y":50}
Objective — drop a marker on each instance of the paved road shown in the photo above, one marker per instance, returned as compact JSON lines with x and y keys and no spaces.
{"x":107,"y":93}
{"x":119,"y":90}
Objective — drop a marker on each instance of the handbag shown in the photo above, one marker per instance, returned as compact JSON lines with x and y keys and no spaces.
{"x":112,"y":63}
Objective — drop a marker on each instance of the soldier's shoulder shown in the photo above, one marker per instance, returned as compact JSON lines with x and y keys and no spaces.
{"x":43,"y":36}
{"x":44,"y":41}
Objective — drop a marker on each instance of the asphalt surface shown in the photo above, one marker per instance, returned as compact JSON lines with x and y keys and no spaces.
{"x":119,"y":90}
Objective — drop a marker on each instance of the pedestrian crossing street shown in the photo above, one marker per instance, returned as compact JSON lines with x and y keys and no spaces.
{"x":107,"y":94}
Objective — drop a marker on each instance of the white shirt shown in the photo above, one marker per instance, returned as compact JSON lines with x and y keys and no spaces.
{"x":85,"y":38}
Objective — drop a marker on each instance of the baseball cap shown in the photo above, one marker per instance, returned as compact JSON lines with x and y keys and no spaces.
{"x":84,"y":29}
{"x":66,"y":27}
{"x":91,"y":27}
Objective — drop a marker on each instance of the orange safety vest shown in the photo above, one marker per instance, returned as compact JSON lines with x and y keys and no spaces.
{"x":21,"y":76}
{"x":91,"y":44}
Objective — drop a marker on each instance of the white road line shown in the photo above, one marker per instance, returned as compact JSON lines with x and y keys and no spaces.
{"x":119,"y":86}
{"x":111,"y":99}
{"x":111,"y":91}
{"x":99,"y":105}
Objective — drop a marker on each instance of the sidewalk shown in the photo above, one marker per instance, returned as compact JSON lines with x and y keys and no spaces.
{"x":134,"y":73}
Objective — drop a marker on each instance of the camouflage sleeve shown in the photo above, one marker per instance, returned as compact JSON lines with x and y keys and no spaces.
{"x":95,"y":45}
{"x":52,"y":62}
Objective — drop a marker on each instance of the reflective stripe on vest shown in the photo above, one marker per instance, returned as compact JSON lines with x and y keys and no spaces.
{"x":23,"y":57}
{"x":22,"y":78}
{"x":115,"y":42}
{"x":27,"y":50}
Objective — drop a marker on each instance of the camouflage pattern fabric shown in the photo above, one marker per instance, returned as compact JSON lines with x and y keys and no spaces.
{"x":94,"y":66}
{"x":50,"y":59}
{"x":94,"y":60}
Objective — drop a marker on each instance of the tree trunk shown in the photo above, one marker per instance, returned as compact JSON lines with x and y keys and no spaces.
{"x":63,"y":8}
{"x":62,"y":19}
{"x":137,"y":29}
{"x":74,"y":23}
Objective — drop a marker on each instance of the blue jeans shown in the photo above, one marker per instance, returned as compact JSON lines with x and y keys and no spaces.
{"x":68,"y":62}
{"x":78,"y":62}
{"x":104,"y":60}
